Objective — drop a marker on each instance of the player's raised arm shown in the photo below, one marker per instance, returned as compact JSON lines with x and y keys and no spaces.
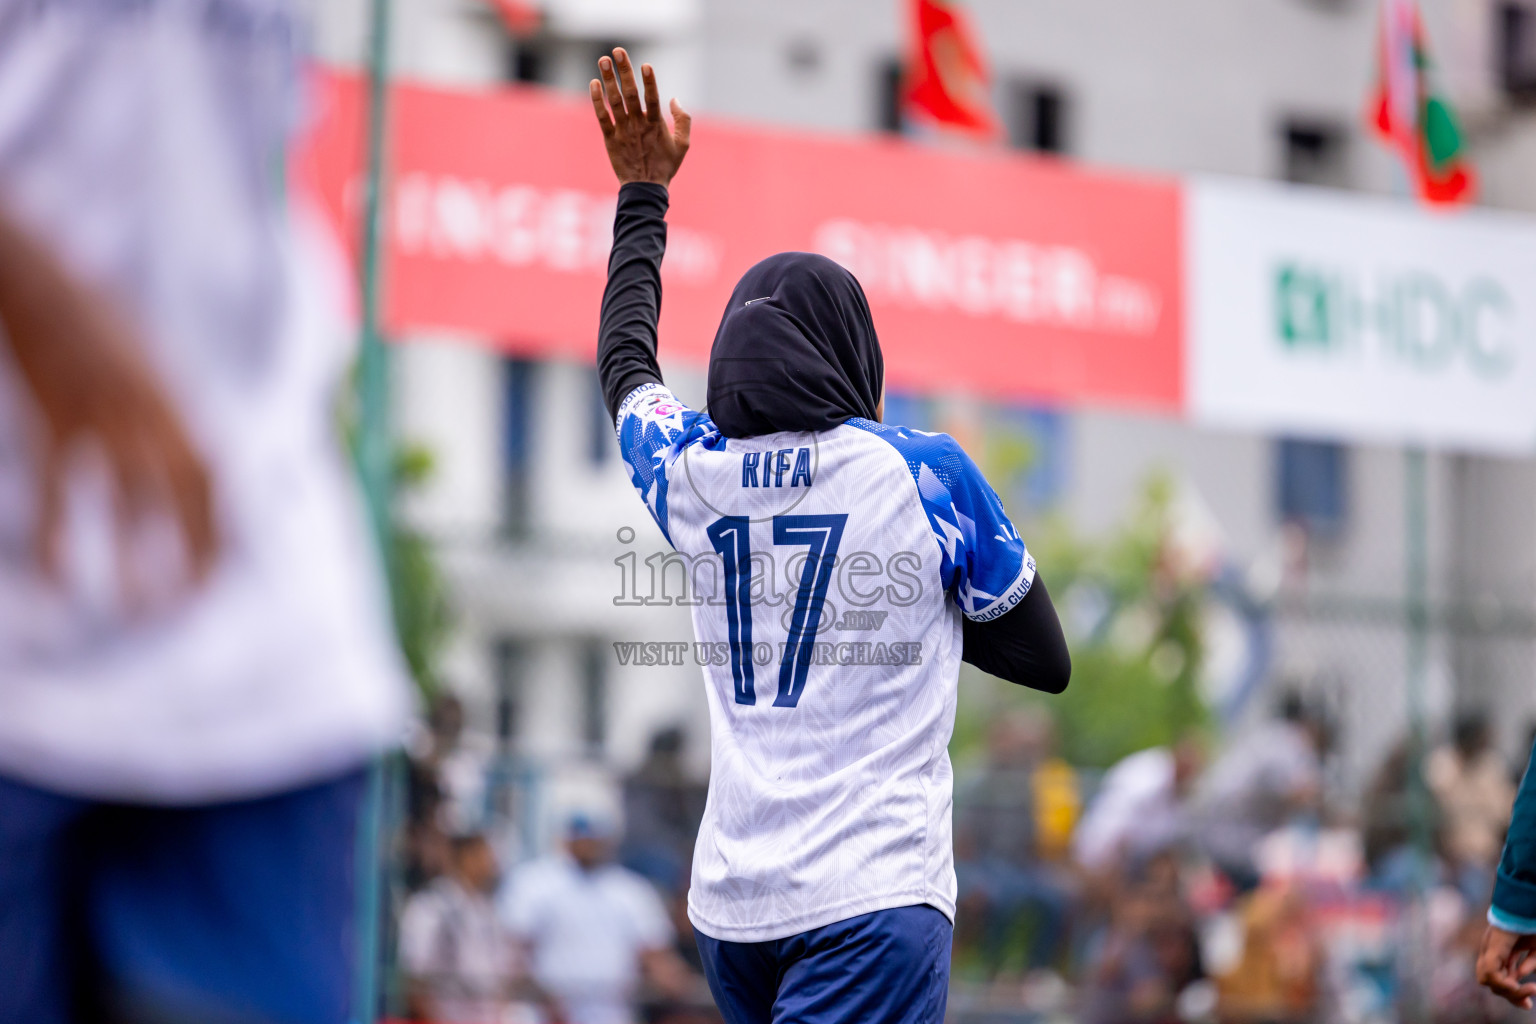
{"x":645,"y":153}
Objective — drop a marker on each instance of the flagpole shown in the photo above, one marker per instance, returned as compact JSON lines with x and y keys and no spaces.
{"x":1416,"y":621}
{"x":374,"y":466}
{"x":1416,"y":655}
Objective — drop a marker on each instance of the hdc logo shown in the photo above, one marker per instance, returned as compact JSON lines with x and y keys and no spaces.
{"x":1415,"y":318}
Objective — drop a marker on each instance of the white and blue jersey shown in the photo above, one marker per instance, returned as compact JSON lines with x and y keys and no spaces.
{"x":829,"y":571}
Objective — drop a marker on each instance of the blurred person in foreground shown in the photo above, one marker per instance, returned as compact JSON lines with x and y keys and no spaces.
{"x":591,"y":931}
{"x":1258,"y":785}
{"x":823,"y":884}
{"x":195,"y":660}
{"x":1004,"y":842}
{"x":456,"y":956}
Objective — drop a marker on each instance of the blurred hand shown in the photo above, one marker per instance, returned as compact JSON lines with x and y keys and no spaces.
{"x":640,"y":145}
{"x":91,"y":386}
{"x":1504,"y":959}
{"x":667,"y":973}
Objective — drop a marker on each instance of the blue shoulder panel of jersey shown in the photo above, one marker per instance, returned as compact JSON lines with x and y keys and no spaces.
{"x":982,"y":559}
{"x":653,"y":428}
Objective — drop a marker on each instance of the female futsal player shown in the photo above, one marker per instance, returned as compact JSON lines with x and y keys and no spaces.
{"x":854,"y":565}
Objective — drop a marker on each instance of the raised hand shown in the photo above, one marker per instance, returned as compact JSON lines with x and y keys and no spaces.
{"x":640,"y":145}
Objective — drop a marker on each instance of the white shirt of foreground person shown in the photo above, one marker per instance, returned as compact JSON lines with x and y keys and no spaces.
{"x":585,"y":932}
{"x":145,"y":144}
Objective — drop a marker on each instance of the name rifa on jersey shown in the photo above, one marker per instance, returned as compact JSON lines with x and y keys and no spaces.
{"x":773,"y":465}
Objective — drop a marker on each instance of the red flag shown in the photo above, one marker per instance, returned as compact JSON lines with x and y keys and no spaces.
{"x":521,"y":17}
{"x":947,"y":76}
{"x":1410,"y":116}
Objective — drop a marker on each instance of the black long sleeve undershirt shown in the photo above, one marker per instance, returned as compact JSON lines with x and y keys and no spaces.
{"x":1023,"y":646}
{"x":626,"y":332}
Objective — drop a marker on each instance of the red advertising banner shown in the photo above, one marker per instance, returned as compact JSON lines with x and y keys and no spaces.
{"x":987,"y":272}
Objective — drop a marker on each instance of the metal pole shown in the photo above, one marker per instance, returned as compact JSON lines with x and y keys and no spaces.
{"x":374,"y":453}
{"x":374,"y":457}
{"x":1416,"y":530}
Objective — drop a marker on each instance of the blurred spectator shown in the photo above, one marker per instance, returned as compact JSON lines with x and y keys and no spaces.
{"x":1386,"y":818}
{"x":456,"y":956}
{"x":427,"y":853}
{"x":1259,"y":784}
{"x":663,"y":806}
{"x":450,"y":769}
{"x":446,"y":790}
{"x":194,"y":643}
{"x":1140,"y":806}
{"x":1150,"y":953}
{"x":999,"y":835}
{"x":1058,"y":800}
{"x":1276,"y":976}
{"x":1517,"y":767}
{"x":1395,"y":816}
{"x":1430,"y":890}
{"x":592,"y":930}
{"x":662,"y":811}
{"x":1470,"y":783}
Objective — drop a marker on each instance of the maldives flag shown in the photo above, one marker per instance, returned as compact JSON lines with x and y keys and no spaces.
{"x":1408,"y":114}
{"x":947,"y":78}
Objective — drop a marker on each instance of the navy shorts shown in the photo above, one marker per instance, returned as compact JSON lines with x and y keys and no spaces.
{"x":882,"y":968}
{"x":237,"y":913}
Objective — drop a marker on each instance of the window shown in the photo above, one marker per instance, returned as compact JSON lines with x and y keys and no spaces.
{"x":1311,"y":486}
{"x":1516,"y":49}
{"x":606,"y":48}
{"x":1313,"y":152}
{"x":594,"y":695}
{"x":803,"y":57}
{"x":528,"y":61}
{"x":888,"y":95}
{"x":510,"y":660}
{"x":517,"y":419}
{"x":1036,"y":117}
{"x":600,"y":443}
{"x":1038,"y":439}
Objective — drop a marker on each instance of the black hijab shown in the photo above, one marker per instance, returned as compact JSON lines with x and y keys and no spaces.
{"x":796,"y":350}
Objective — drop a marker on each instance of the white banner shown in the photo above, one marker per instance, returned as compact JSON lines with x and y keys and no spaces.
{"x":1326,"y":315}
